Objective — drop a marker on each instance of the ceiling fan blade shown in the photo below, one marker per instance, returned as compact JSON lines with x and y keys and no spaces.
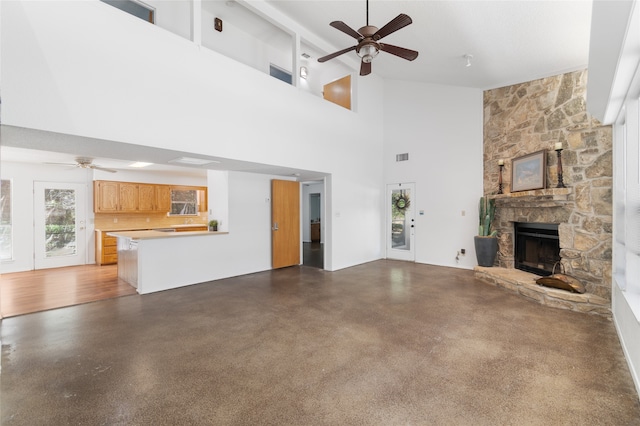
{"x":339,"y":25}
{"x":335,"y":54}
{"x":401,"y":52}
{"x":365,"y":68}
{"x":61,"y":164}
{"x":392,"y":26}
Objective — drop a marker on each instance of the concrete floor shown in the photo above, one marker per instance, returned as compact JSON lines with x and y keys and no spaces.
{"x":384,"y":343}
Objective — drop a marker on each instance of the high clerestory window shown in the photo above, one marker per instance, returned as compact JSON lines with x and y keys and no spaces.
{"x":135,"y":8}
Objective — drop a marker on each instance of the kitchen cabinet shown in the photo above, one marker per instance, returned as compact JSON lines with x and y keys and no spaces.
{"x":131,"y":197}
{"x":106,"y":196}
{"x":106,"y":248}
{"x":163,"y":198}
{"x":147,"y":199}
{"x":203,"y":205}
{"x":154,"y":198}
{"x":191,"y":228}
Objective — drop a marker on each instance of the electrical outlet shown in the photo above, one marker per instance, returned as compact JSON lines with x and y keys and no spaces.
{"x":463,"y":251}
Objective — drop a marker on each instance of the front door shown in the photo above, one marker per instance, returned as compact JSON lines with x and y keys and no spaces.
{"x":400,"y":221}
{"x":59,"y":224}
{"x":285,"y":223}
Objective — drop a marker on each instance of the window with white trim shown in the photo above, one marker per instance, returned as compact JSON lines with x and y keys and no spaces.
{"x":6,"y":221}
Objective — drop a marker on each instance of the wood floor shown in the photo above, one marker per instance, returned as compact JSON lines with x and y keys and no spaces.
{"x":40,"y":290}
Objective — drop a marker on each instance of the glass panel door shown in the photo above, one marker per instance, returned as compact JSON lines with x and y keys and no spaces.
{"x":60,"y":231}
{"x":400,"y":221}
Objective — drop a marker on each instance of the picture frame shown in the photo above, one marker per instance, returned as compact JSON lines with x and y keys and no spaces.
{"x":529,"y":172}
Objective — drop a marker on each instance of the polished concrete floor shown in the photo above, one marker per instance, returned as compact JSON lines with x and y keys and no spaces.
{"x":313,"y":254}
{"x":384,"y":343}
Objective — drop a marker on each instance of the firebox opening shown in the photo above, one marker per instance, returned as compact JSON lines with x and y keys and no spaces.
{"x":537,"y":247}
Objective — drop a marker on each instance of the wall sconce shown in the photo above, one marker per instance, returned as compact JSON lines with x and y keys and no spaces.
{"x":303,"y":72}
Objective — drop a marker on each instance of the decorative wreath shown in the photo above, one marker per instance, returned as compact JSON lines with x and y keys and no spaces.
{"x":401,"y":201}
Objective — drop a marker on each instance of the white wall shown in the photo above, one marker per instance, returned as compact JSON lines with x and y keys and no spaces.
{"x":149,"y":176}
{"x":218,"y":198}
{"x":174,"y":16}
{"x":441,"y":129}
{"x":146,"y":86}
{"x":243,"y":47}
{"x":23,"y":176}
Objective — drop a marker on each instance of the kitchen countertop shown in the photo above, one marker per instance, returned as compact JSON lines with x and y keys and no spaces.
{"x":150,"y":234}
{"x":151,"y":228}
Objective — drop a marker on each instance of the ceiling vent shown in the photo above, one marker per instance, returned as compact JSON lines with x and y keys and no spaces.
{"x":402,"y":157}
{"x":305,"y":55}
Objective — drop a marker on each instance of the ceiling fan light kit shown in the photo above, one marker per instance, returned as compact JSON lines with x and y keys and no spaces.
{"x":368,"y":38}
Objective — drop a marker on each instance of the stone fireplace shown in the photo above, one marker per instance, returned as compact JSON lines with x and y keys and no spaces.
{"x":534,"y":116}
{"x":536,"y":247}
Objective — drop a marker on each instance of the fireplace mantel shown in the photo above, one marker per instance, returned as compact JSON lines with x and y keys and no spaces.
{"x":551,"y":197}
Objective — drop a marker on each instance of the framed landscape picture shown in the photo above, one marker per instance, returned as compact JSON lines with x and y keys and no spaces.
{"x":529,"y":172}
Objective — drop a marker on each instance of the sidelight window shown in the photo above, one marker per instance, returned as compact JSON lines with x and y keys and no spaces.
{"x":6,"y":223}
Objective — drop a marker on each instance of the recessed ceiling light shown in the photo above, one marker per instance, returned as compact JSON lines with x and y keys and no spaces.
{"x":192,"y":161}
{"x":140,"y":164}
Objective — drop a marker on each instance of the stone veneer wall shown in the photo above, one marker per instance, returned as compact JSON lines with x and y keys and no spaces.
{"x":533,"y":116}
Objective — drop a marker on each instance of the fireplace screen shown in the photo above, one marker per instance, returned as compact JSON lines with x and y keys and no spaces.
{"x":537,"y":247}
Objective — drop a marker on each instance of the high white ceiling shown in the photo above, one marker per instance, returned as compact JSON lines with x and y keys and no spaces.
{"x":511,"y":41}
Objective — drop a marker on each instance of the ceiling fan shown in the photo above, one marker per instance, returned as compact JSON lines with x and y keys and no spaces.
{"x":86,"y":163}
{"x":369,"y":44}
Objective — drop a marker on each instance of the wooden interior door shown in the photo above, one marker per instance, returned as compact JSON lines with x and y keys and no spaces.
{"x":339,"y":92}
{"x":285,"y":223}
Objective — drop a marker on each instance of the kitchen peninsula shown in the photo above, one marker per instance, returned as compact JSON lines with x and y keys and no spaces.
{"x":154,"y":261}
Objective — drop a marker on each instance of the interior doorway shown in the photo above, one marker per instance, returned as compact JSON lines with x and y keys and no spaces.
{"x":313,"y":224}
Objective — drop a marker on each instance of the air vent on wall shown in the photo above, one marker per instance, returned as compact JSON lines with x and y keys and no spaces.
{"x":306,"y":55}
{"x":402,"y":157}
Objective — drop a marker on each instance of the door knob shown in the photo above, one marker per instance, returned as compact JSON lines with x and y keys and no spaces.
{"x":275,"y":226}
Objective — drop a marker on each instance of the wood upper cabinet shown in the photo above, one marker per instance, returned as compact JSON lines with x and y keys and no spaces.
{"x":129,"y":197}
{"x":203,"y":205}
{"x":147,"y":198}
{"x":154,"y":198}
{"x":163,"y":198}
{"x":106,"y":196}
{"x":132,"y":197}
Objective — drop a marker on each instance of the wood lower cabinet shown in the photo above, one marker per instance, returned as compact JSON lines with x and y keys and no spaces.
{"x":192,"y":228}
{"x":106,"y":248}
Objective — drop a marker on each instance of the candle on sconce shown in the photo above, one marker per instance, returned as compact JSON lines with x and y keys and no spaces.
{"x":501,"y":162}
{"x":558,"y":146}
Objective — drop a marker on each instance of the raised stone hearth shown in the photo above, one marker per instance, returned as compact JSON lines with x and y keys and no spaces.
{"x":531,"y":117}
{"x":524,"y":284}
